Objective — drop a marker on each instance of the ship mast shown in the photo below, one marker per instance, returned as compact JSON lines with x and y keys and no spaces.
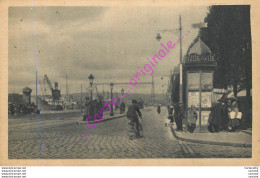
{"x":67,"y":92}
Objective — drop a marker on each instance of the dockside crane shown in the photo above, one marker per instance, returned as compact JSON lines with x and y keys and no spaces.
{"x":55,"y":92}
{"x":48,"y":82}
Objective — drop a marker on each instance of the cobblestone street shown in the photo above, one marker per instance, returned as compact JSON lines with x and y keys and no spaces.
{"x":110,"y":140}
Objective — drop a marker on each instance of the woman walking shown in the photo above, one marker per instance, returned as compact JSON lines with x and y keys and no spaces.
{"x":192,"y":118}
{"x":234,"y":117}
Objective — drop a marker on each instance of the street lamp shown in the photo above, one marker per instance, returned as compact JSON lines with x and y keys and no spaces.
{"x":91,"y":79}
{"x":122,"y":91}
{"x":111,"y":87}
{"x":122,"y":107}
{"x":158,"y":37}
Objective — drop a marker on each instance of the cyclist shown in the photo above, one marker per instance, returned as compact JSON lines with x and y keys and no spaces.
{"x":132,"y":114}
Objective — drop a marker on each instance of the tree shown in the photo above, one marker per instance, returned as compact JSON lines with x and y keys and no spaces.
{"x":228,"y":35}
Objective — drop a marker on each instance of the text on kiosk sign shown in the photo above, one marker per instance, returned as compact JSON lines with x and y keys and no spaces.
{"x":204,"y":58}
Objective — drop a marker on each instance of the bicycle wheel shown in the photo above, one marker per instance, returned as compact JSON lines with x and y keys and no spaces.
{"x":141,"y":130}
{"x":131,"y":130}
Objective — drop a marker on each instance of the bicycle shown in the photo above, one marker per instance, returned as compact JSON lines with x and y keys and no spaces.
{"x":132,"y":131}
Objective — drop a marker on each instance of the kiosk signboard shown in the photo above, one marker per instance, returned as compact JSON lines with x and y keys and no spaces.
{"x":204,"y":58}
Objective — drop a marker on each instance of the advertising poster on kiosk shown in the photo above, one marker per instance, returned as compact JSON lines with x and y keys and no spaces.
{"x":193,"y":99}
{"x":206,"y":99}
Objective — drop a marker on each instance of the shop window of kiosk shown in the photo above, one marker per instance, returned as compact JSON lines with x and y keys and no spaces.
{"x":193,"y":81}
{"x":206,"y":99}
{"x":206,"y":81}
{"x":193,"y":99}
{"x":199,"y":93}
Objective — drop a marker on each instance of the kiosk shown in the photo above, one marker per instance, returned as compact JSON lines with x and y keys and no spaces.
{"x":198,"y":70}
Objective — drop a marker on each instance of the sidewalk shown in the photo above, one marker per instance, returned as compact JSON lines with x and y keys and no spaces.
{"x":106,"y":117}
{"x":236,"y":139}
{"x":34,"y":121}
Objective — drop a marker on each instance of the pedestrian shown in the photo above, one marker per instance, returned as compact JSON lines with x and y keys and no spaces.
{"x":168,"y":107}
{"x":170,"y":111}
{"x":178,"y":115}
{"x":95,"y":106}
{"x":122,"y":107}
{"x":100,"y":102}
{"x":87,"y":108}
{"x":116,"y":106}
{"x":192,"y":118}
{"x":234,"y":117}
{"x":158,"y":109}
{"x":132,"y":114}
{"x":214,"y":118}
{"x":224,"y":116}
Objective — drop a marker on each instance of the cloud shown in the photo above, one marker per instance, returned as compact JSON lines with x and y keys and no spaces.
{"x":109,"y":42}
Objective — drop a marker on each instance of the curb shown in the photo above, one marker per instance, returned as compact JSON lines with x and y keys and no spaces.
{"x":246,"y":132}
{"x":210,"y":142}
{"x":55,"y":126}
{"x":91,"y":122}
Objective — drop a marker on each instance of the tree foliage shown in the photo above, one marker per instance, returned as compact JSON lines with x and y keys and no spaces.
{"x":228,"y":35}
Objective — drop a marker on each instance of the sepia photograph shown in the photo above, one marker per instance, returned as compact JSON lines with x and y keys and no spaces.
{"x":129,"y":82}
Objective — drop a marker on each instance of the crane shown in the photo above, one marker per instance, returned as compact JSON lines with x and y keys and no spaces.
{"x":55,"y":92}
{"x":48,"y":82}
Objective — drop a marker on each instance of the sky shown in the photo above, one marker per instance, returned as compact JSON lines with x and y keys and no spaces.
{"x":108,"y":42}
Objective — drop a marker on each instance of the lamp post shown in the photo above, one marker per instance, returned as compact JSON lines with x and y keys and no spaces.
{"x":91,"y":79}
{"x":122,"y":107}
{"x":158,"y":37}
{"x":111,"y":87}
{"x":122,"y":92}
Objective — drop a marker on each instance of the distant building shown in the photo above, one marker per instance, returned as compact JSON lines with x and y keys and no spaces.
{"x":27,"y":95}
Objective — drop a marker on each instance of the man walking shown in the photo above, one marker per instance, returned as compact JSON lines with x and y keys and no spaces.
{"x":178,"y":115}
{"x":122,"y":108}
{"x":132,"y":114}
{"x":87,"y":111}
{"x":170,"y":111}
{"x":158,"y":109}
{"x":192,"y":118}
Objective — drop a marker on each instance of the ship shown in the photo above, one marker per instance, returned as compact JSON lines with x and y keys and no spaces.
{"x":55,"y":101}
